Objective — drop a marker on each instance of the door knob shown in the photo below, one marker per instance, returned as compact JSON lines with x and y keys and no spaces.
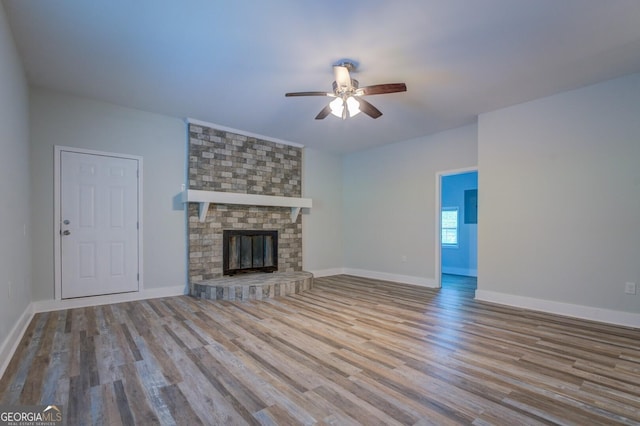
{"x":66,"y":232}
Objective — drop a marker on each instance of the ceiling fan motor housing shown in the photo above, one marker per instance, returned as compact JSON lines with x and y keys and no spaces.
{"x":340,"y":91}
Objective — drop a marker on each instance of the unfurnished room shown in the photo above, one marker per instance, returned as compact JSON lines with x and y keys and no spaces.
{"x":421,"y":212}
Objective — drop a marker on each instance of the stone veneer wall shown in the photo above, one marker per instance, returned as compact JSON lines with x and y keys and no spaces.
{"x":229,"y":162}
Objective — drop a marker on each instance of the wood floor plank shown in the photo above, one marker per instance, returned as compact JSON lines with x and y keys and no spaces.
{"x":362,"y":413}
{"x":122,"y":402}
{"x":424,"y":413}
{"x":275,"y":415}
{"x":155,"y":353}
{"x":56,"y":370}
{"x":136,"y":397}
{"x":204,"y":398}
{"x":135,"y":352}
{"x":152,"y":381}
{"x":78,"y":402}
{"x":210,"y":375}
{"x":179,"y":405}
{"x":32,"y":388}
{"x":110,"y":414}
{"x":273,"y":392}
{"x":99,"y":412}
{"x":270,"y":365}
{"x":349,"y":351}
{"x":18,"y":369}
{"x":106,"y":357}
{"x":91,"y":321}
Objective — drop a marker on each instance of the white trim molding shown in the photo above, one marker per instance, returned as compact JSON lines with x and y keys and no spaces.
{"x":385,"y":276}
{"x":107,"y":299}
{"x":328,"y":272}
{"x":11,"y":342}
{"x":241,"y":132}
{"x":376,"y":275}
{"x":204,"y":198}
{"x":609,"y":316}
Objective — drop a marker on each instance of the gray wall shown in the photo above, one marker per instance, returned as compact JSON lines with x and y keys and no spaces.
{"x":322,"y":229}
{"x":15,"y":253}
{"x":559,"y":215}
{"x":389,"y":201}
{"x":57,"y":119}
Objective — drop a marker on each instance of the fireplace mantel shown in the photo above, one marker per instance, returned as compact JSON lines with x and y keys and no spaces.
{"x":204,"y":198}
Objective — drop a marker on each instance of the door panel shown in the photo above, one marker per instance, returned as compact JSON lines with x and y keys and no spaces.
{"x":99,"y":230}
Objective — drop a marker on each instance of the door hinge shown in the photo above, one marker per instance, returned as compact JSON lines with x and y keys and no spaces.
{"x":137,"y":225}
{"x":138,"y":277}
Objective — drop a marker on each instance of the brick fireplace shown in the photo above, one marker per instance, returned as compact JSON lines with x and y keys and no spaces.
{"x":227,"y":162}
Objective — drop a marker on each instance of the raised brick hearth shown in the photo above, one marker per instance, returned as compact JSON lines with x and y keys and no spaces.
{"x":256,"y":286}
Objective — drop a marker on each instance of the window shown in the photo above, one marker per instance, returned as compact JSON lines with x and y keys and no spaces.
{"x":449,"y":226}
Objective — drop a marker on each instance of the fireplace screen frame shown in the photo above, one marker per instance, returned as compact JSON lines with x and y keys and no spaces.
{"x":228,"y":269}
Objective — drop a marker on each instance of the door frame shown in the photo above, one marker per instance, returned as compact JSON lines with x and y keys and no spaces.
{"x":57,"y":204}
{"x":438,"y":242}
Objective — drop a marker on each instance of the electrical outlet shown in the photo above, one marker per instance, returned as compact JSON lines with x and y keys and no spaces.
{"x":630,"y":288}
{"x":404,"y":257}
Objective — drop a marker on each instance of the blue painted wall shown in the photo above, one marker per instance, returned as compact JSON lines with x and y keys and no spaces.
{"x":461,"y":260}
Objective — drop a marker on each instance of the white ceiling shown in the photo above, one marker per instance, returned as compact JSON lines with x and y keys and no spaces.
{"x":230,"y":63}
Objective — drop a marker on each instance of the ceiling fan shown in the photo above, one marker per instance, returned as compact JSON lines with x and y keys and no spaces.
{"x":348,"y":95}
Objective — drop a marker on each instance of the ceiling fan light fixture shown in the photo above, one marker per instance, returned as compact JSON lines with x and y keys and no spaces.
{"x":336,"y":106}
{"x":353,"y":106}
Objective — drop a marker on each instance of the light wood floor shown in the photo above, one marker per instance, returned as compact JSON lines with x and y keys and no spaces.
{"x":350,"y":351}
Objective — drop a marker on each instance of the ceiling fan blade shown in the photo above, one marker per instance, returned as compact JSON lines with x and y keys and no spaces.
{"x":343,"y":79}
{"x":380,"y":89}
{"x":324,"y":113}
{"x":308,"y":94}
{"x":367,"y":108}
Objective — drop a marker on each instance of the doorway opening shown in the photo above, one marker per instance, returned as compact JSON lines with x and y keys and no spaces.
{"x":457,"y":236}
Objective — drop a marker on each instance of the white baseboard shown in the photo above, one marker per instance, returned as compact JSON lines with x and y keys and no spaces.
{"x":609,"y":316}
{"x":327,"y":272}
{"x":10,"y":344}
{"x":82,"y":302}
{"x":385,"y":276}
{"x":460,"y":271}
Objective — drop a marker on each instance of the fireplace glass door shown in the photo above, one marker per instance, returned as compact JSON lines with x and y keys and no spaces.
{"x":249,"y":251}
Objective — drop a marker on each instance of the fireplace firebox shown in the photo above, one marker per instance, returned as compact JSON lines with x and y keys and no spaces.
{"x":249,"y":251}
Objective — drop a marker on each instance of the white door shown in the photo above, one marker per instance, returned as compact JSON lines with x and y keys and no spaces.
{"x":99,"y":224}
